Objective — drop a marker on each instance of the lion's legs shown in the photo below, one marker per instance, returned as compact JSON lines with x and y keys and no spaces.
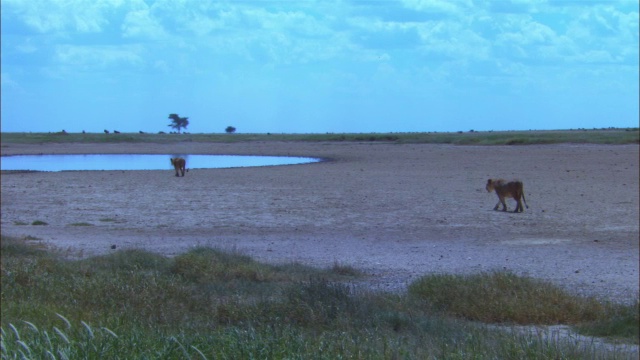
{"x":518,"y":206}
{"x":182,"y":171}
{"x":501,"y":201}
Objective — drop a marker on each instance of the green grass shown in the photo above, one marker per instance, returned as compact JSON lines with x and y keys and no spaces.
{"x":39,"y":222}
{"x":211,"y":304}
{"x":81,"y":224}
{"x":622,"y":323}
{"x":595,"y":136}
{"x":503,"y":297}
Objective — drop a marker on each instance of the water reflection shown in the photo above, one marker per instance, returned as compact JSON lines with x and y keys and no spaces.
{"x":140,"y":162}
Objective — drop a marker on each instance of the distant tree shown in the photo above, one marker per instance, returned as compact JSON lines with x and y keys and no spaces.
{"x":230,"y":129}
{"x":178,"y":122}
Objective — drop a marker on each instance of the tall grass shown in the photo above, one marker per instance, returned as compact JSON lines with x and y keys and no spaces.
{"x":621,"y":323}
{"x":502,"y":297}
{"x":211,"y":304}
{"x":595,"y":136}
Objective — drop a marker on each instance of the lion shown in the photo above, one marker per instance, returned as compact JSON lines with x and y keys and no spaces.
{"x":507,"y":189}
{"x":179,"y":164}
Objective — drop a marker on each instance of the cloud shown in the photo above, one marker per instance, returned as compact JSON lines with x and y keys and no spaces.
{"x":7,"y":81}
{"x":84,"y":16}
{"x":604,"y":29}
{"x":437,"y":6}
{"x":26,"y":47}
{"x":140,"y":24}
{"x":99,"y":57}
{"x":523,"y":31}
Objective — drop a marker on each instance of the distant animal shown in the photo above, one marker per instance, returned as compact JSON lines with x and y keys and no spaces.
{"x":507,"y":189}
{"x":106,"y":131}
{"x":116,"y":132}
{"x":179,"y":164}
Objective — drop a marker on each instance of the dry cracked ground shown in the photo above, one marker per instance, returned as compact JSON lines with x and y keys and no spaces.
{"x":395,"y":211}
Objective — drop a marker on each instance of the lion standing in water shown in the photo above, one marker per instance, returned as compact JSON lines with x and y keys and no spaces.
{"x":179,"y":164}
{"x":507,"y":189}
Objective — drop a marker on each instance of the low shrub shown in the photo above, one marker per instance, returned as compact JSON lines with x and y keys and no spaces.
{"x":503,"y":297}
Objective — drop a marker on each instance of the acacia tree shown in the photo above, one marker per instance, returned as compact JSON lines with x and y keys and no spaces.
{"x":178,"y":122}
{"x":230,"y":129}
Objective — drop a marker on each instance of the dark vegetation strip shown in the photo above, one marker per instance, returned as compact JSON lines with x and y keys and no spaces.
{"x":211,"y":304}
{"x":595,"y":136}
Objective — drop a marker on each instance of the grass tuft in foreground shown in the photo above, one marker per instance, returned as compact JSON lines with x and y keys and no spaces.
{"x":503,"y":297}
{"x":622,"y":322}
{"x":207,"y":304}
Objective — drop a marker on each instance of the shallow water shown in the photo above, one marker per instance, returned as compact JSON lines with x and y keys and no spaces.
{"x":140,"y":162}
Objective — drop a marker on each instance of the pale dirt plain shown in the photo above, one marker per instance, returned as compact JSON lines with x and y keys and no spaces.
{"x":394,"y":211}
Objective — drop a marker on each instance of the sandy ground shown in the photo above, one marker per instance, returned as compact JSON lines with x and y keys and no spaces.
{"x":394,"y":211}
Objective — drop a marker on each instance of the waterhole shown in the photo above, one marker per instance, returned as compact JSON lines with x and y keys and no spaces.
{"x":141,"y":162}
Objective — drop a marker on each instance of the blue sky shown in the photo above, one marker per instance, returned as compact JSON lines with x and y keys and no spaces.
{"x":318,"y":66}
